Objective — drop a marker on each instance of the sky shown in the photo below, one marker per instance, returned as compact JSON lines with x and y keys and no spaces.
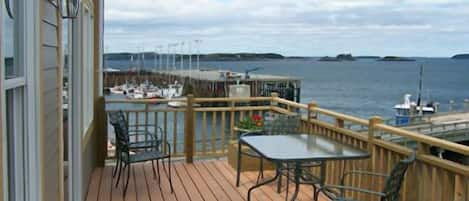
{"x":435,"y":28}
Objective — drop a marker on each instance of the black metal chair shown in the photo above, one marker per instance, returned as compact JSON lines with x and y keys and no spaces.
{"x":150,"y":139}
{"x":127,"y":157}
{"x":391,"y":189}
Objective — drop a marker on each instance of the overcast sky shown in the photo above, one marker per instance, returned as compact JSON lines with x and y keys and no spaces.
{"x":292,"y":27}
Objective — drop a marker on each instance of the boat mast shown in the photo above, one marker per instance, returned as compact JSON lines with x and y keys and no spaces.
{"x":419,"y":99}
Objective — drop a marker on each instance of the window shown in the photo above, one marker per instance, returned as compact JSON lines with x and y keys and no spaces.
{"x":88,"y":68}
{"x":13,"y":82}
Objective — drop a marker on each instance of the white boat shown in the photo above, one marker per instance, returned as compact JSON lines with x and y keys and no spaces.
{"x":172,"y":91}
{"x":180,"y":104}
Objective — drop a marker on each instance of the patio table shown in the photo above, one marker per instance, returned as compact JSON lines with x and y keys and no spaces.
{"x":297,"y":149}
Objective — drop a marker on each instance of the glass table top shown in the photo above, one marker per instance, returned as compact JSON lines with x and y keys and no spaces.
{"x":302,"y":147}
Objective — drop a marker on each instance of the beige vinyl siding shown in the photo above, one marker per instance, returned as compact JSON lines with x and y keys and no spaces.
{"x":50,"y":109}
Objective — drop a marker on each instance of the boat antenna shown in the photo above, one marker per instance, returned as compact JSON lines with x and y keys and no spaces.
{"x":419,"y":99}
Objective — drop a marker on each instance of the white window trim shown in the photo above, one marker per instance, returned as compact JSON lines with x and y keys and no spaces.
{"x":88,"y":68}
{"x":75,"y":117}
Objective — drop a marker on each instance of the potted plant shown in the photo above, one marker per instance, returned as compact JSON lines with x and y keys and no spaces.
{"x":250,"y":124}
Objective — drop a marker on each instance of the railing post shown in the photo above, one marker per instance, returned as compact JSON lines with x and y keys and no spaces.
{"x":311,"y":114}
{"x":373,"y":121}
{"x":101,"y":117}
{"x":189,"y":130}
{"x":274,"y":103}
{"x":339,"y":123}
{"x":371,"y":131}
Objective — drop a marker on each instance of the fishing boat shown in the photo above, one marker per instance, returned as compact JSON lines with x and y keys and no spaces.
{"x":408,"y":109}
{"x":172,"y":91}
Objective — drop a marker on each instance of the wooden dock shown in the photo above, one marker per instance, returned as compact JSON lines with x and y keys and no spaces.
{"x":211,"y":83}
{"x":448,"y":126}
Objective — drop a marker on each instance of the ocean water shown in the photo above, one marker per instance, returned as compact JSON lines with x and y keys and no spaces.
{"x":361,"y":88}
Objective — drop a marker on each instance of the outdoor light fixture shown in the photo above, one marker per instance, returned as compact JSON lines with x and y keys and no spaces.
{"x":69,"y":8}
{"x":8,"y":7}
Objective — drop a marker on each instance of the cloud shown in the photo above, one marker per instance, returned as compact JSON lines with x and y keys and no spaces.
{"x":308,"y":27}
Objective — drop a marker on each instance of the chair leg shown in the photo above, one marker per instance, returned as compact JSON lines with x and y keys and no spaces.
{"x":169,"y":175}
{"x":116,"y":167}
{"x":153,"y":168}
{"x":128,"y":178}
{"x":279,"y":184}
{"x":119,"y":173}
{"x":158,"y":170}
{"x":238,"y":165}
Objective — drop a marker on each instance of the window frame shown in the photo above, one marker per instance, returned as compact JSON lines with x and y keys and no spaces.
{"x":25,"y":121}
{"x":87,"y":85}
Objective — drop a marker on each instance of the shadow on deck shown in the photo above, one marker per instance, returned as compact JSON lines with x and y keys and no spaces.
{"x":200,"y":181}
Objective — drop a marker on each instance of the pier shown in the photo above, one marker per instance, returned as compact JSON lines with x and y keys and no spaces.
{"x":211,"y":83}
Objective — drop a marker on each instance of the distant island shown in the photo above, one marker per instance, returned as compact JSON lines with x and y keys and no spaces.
{"x":368,"y":57}
{"x":340,"y":57}
{"x":395,"y":58}
{"x":460,"y":56}
{"x":202,"y":57}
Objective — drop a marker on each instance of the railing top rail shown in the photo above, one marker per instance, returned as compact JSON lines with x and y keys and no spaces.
{"x":291,"y":103}
{"x":324,"y":112}
{"x":448,"y":145}
{"x":228,"y":99}
{"x":344,"y":117}
{"x":146,"y":101}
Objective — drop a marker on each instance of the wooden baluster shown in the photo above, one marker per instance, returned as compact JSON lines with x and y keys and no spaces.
{"x":223,"y":131}
{"x":214,"y":132}
{"x":204,"y":133}
{"x":165,"y":128}
{"x":232,"y":120}
{"x":136,"y":125}
{"x":146,"y":121}
{"x":175,"y":132}
{"x":155,"y":129}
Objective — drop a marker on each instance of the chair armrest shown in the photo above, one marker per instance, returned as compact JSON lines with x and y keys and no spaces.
{"x":361,"y":172}
{"x":329,"y":189}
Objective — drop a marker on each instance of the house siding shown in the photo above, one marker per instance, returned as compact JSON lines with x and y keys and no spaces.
{"x":51,"y":103}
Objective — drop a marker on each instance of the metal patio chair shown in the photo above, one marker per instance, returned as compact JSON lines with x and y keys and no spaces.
{"x":391,"y":189}
{"x":133,"y":132}
{"x":159,"y":150}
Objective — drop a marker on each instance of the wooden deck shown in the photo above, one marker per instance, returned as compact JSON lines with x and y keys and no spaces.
{"x":201,"y":181}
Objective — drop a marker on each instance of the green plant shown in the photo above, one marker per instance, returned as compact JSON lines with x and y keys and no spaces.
{"x":254,"y":122}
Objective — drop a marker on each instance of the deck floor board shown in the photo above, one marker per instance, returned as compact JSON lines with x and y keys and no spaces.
{"x":202,"y":181}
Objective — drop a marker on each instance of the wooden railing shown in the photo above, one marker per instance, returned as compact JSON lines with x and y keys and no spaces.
{"x":209,"y":128}
{"x":205,"y":132}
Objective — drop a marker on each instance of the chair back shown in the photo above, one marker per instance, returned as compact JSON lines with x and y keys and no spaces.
{"x":277,"y":124}
{"x":393,"y":183}
{"x":118,"y":121}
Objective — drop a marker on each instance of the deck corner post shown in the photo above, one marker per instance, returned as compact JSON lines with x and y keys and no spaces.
{"x":189,"y":130}
{"x":373,"y":121}
{"x":101,"y":118}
